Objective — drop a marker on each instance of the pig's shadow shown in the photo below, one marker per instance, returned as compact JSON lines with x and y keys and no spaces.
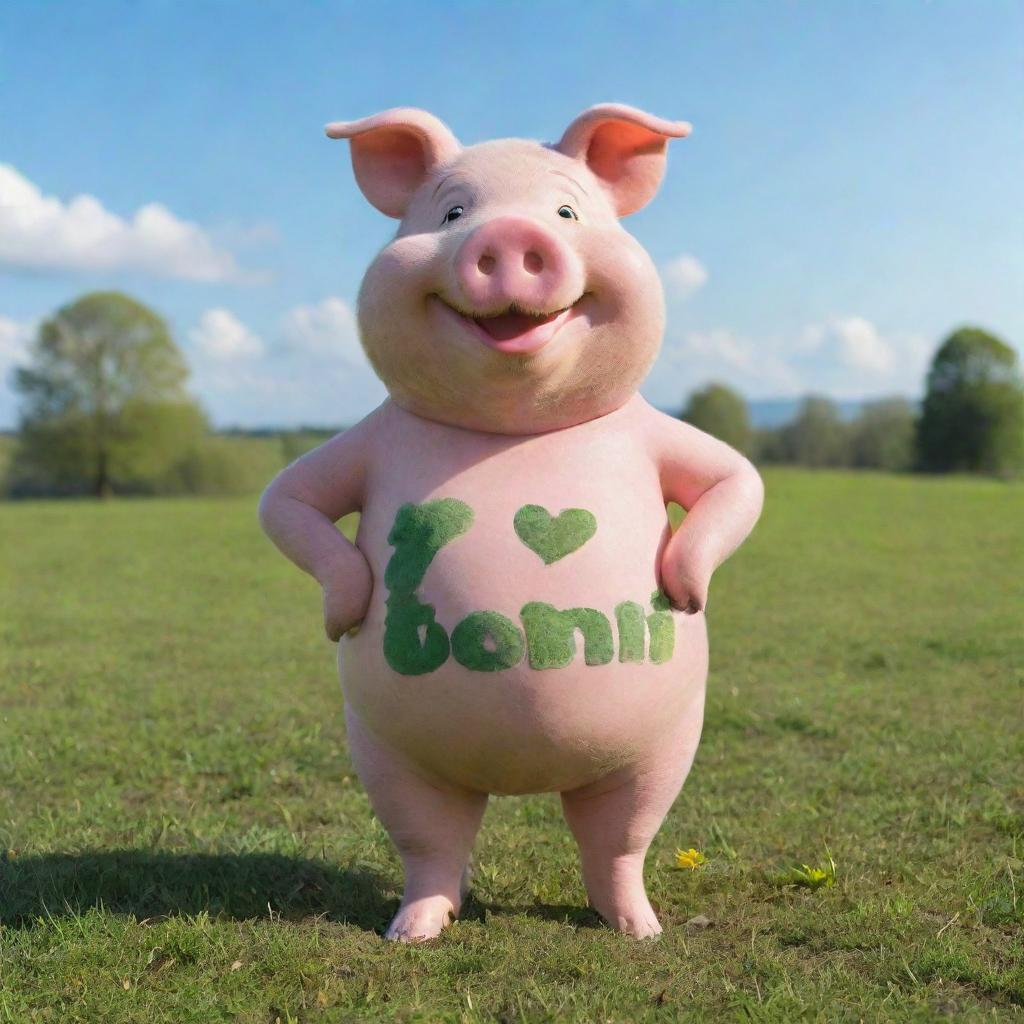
{"x":242,"y":886}
{"x":476,"y":909}
{"x":153,"y":885}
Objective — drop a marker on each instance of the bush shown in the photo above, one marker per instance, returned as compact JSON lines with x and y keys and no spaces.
{"x":295,"y":443}
{"x":224,"y":466}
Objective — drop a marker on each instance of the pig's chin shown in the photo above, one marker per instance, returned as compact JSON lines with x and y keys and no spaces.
{"x":513,"y":331}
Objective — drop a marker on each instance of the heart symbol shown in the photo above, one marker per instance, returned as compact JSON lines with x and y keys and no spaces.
{"x":554,"y":537}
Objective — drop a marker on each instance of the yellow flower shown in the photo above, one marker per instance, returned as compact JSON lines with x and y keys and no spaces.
{"x":691,"y":859}
{"x":812,"y":877}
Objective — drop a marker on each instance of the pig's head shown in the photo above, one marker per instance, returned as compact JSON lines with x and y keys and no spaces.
{"x":511,"y":300}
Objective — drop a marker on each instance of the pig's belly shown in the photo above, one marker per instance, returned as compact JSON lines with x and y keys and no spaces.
{"x":525,"y":728}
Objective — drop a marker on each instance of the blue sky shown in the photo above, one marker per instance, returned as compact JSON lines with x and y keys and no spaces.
{"x":853,"y":189}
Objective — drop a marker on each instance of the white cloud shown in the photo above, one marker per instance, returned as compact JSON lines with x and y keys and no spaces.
{"x":858,"y":343}
{"x":312,"y":370}
{"x":746,"y":364}
{"x":721,"y":344}
{"x":327,"y":329}
{"x":850,"y":357}
{"x":223,"y":338}
{"x":39,"y":232}
{"x":684,"y":276}
{"x":843,"y":356}
{"x":810,"y":339}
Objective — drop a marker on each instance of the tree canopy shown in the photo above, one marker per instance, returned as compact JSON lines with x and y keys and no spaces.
{"x":104,"y":405}
{"x":882,"y":435}
{"x":972,"y":419}
{"x":721,"y":412}
{"x":817,"y":437}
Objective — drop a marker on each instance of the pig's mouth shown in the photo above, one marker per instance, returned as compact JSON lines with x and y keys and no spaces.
{"x":514,"y":331}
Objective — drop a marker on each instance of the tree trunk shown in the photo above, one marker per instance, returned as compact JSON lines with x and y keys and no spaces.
{"x":102,"y":486}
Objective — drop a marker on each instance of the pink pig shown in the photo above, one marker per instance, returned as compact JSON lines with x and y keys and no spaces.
{"x":516,"y":615}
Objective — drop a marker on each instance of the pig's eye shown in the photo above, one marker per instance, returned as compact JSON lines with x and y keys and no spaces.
{"x":567,"y":212}
{"x":453,"y":214}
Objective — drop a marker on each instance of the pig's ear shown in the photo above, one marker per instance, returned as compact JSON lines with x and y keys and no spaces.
{"x":393,"y":152}
{"x":625,"y":148}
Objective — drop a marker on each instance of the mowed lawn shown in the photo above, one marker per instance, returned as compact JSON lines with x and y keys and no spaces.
{"x":183,"y":838}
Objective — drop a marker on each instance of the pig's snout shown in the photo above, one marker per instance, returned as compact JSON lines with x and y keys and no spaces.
{"x":513,"y":260}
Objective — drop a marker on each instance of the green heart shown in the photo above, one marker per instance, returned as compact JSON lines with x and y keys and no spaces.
{"x":554,"y":537}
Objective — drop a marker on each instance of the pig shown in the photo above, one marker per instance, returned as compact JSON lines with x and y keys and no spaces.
{"x":516,"y":614}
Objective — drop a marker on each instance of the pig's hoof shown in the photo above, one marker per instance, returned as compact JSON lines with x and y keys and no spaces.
{"x":421,"y":920}
{"x":637,"y":920}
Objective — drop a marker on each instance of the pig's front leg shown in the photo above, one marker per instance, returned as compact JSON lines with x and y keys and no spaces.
{"x":722,"y":494}
{"x":298,"y":512}
{"x":433,"y":826}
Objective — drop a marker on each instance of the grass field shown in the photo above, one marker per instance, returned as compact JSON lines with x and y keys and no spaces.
{"x":186,"y":841}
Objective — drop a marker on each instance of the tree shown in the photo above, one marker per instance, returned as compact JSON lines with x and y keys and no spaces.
{"x":104,"y":404}
{"x":721,"y":412}
{"x":817,"y":437}
{"x":882,"y":435}
{"x":972,"y":419}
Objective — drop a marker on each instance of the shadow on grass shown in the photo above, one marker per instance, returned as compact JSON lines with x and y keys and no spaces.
{"x":240,"y":886}
{"x":476,"y":909}
{"x":153,"y":885}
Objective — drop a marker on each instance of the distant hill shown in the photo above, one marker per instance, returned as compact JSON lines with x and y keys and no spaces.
{"x":767,"y":413}
{"x":774,"y":412}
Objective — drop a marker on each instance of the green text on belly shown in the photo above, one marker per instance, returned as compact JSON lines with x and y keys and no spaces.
{"x":416,"y":643}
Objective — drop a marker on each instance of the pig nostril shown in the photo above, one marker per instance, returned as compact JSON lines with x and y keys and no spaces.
{"x":533,"y":262}
{"x":486,"y":264}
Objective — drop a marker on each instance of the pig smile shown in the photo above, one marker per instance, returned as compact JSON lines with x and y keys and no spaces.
{"x":513,"y":331}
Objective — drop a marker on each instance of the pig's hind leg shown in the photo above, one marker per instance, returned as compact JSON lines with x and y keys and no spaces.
{"x":614,"y":821}
{"x":431,"y":824}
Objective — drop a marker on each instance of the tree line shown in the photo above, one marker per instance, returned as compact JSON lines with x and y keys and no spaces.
{"x":971,"y":419}
{"x":105,"y":410}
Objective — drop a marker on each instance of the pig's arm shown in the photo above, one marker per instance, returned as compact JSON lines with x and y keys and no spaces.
{"x":298,"y":511}
{"x":722,"y":494}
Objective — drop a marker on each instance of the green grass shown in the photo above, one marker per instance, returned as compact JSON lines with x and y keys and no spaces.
{"x":186,"y":841}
